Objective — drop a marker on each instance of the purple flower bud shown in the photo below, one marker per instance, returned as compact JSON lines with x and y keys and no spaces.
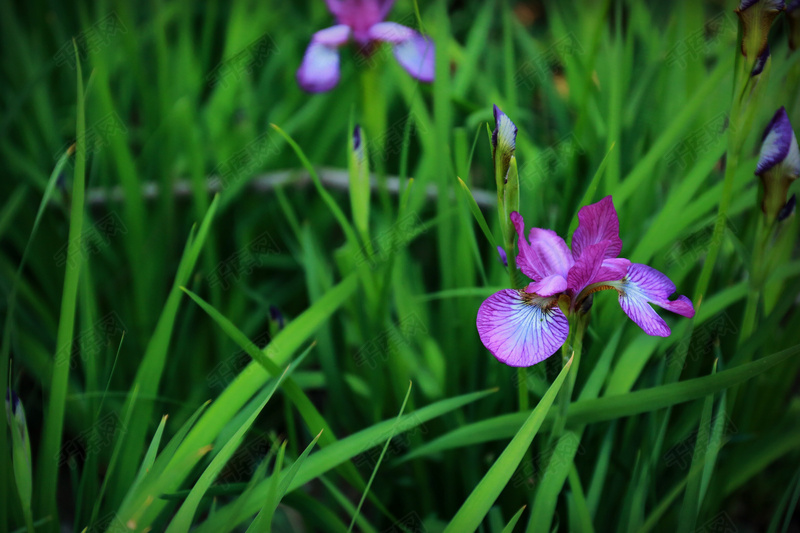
{"x":793,"y":17}
{"x":503,"y":256}
{"x":276,"y":316}
{"x":778,"y":164}
{"x":761,"y":62}
{"x":504,"y":139}
{"x":757,"y":17}
{"x":788,"y":210}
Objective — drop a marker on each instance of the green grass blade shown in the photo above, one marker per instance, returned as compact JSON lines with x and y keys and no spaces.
{"x":513,"y":522}
{"x":263,"y":520}
{"x":483,"y":496}
{"x":183,"y":518}
{"x":608,"y":407}
{"x":54,"y":422}
{"x":347,"y":448}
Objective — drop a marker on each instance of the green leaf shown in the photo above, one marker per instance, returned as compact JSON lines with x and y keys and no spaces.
{"x":347,"y":448}
{"x":608,"y":407}
{"x":483,"y":496}
{"x":47,"y":481}
{"x":476,"y":212}
{"x":183,"y":518}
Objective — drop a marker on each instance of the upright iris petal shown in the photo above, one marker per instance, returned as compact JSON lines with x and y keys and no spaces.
{"x":597,"y":223}
{"x":521,"y":329}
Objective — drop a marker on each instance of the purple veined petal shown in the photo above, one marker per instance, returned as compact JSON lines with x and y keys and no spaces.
{"x":519,"y":329}
{"x":549,"y":286}
{"x":550,"y":254}
{"x":417,"y":56}
{"x":545,"y":255}
{"x":596,"y":223}
{"x":319,"y":71}
{"x":612,"y":270}
{"x":776,"y":145}
{"x":644,"y":285}
{"x":525,"y":256}
{"x":587,"y":266}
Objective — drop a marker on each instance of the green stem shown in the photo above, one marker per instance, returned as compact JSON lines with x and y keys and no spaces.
{"x":750,"y":319}
{"x":575,"y":343}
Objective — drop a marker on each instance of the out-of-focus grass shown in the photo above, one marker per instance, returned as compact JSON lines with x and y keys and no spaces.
{"x":606,"y":101}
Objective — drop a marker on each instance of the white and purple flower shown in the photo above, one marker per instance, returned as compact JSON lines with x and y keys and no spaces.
{"x":362,"y":21}
{"x":524,"y":327}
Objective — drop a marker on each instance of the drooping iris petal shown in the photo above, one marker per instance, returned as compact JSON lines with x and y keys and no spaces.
{"x":644,"y":285}
{"x":550,"y":254}
{"x":779,"y":145}
{"x":587,"y":266}
{"x":596,"y":223}
{"x":549,"y":286}
{"x":417,"y":56}
{"x":319,"y":71}
{"x":519,"y":329}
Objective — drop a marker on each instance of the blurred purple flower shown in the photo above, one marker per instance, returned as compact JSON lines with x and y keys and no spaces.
{"x":524,"y":327}
{"x":362,"y":20}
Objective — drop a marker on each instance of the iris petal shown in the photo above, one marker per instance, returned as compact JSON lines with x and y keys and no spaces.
{"x":587,"y":266}
{"x":612,"y":270}
{"x":319,"y":71}
{"x":520,"y":330}
{"x":643,"y":285}
{"x":550,"y":253}
{"x":549,"y":286}
{"x":596,"y":223}
{"x":417,"y":56}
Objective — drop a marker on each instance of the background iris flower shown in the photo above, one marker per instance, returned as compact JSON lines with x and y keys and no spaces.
{"x":362,"y":21}
{"x":524,"y":327}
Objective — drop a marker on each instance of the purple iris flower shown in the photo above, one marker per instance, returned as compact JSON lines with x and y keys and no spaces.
{"x":524,"y":327}
{"x":362,"y":21}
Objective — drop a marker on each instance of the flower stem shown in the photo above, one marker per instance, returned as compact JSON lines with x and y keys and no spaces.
{"x":757,"y":279}
{"x":575,"y":343}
